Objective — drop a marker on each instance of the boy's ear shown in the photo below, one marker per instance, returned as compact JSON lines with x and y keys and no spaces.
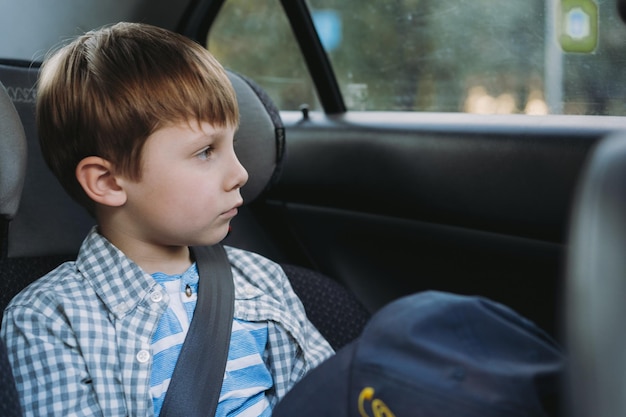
{"x":96,"y":177}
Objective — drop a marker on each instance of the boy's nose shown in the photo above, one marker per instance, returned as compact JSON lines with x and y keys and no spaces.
{"x":240,"y":175}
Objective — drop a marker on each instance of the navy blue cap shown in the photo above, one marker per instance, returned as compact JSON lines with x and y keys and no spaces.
{"x":436,"y":354}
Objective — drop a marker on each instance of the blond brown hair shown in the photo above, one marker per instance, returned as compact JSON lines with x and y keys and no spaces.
{"x":107,"y":91}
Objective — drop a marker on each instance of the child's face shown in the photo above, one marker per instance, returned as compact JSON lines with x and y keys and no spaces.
{"x":189,"y":187}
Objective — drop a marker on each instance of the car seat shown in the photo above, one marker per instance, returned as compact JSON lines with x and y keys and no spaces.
{"x":9,"y":400}
{"x":49,"y":226}
{"x":595,"y":295}
{"x":12,"y":139}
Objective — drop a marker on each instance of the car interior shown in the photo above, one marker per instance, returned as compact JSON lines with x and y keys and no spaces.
{"x":363,"y":207}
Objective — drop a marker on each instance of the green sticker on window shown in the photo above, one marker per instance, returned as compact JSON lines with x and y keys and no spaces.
{"x":578,"y":26}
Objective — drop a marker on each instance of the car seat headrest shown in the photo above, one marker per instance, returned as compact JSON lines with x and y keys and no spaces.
{"x":12,"y":156}
{"x":259,"y":141}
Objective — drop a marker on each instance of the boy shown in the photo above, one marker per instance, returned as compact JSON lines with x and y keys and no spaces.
{"x":137,"y":123}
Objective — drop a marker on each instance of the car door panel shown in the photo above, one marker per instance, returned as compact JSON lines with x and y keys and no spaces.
{"x":460,"y":203}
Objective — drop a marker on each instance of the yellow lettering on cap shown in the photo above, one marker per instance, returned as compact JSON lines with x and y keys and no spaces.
{"x":379,"y":408}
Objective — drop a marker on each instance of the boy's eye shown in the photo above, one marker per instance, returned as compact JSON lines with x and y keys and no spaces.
{"x":205,"y":153}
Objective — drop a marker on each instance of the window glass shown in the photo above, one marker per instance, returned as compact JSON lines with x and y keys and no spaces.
{"x":255,"y":39}
{"x":519,"y":56}
{"x":476,"y":56}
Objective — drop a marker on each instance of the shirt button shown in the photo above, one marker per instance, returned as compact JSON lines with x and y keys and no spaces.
{"x":120,"y":309}
{"x":143,"y":356}
{"x":156,"y":296}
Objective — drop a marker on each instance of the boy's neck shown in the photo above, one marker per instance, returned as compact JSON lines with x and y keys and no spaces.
{"x":169,"y":263}
{"x":151,"y":258}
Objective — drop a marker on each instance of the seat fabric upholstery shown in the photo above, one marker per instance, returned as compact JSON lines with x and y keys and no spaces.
{"x":12,"y":156}
{"x":323,"y":300}
{"x":9,"y":401}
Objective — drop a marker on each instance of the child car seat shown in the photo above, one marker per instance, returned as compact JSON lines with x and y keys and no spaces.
{"x":49,"y":226}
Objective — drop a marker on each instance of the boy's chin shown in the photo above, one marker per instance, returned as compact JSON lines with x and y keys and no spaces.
{"x":216,"y":237}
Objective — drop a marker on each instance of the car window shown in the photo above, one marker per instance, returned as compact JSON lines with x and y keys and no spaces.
{"x":474,"y":56}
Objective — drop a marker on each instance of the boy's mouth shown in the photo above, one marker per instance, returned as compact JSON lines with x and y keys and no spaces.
{"x":233,"y":211}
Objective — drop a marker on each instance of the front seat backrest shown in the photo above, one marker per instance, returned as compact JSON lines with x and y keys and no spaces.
{"x":596,"y":285}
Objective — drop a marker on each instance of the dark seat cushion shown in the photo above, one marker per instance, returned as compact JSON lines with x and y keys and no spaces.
{"x":9,"y":402}
{"x":334,"y":310}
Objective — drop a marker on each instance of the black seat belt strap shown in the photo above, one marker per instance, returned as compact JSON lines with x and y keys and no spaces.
{"x":197,"y":379}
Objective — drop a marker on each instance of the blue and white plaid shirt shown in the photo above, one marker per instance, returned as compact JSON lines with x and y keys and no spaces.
{"x":79,"y":339}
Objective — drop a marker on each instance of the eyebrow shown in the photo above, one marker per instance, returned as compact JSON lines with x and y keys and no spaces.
{"x":218,"y":134}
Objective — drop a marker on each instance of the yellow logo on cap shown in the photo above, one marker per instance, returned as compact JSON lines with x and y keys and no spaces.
{"x":379,"y":408}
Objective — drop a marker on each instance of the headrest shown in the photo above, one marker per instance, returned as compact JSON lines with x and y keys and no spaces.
{"x":49,"y":222}
{"x":596,"y":283}
{"x":260,"y":140}
{"x":12,"y":156}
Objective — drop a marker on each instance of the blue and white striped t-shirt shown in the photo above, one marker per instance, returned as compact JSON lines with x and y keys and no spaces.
{"x":246,"y":379}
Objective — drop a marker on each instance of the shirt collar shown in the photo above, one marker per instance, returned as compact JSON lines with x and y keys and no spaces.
{"x":119,"y":282}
